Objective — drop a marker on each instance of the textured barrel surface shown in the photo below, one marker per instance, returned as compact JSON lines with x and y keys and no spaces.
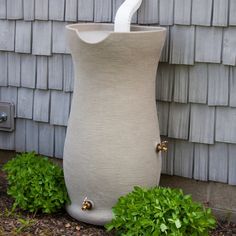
{"x":113,"y":126}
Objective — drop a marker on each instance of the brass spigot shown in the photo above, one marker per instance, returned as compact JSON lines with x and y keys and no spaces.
{"x":86,"y":205}
{"x":162,"y":147}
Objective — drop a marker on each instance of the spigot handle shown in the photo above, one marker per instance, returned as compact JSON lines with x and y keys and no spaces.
{"x":162,"y":147}
{"x":87,"y":205}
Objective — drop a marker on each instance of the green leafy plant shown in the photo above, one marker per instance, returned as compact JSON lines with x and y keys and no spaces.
{"x":36,"y":183}
{"x":160,"y":211}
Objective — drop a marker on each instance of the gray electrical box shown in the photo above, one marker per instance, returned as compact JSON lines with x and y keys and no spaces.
{"x":7,"y":114}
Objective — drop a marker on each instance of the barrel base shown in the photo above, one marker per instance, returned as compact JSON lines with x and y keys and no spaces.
{"x":96,"y":217}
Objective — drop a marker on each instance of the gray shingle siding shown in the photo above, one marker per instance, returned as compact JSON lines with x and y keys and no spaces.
{"x":14,"y":9}
{"x":7,"y":35}
{"x":3,"y":69}
{"x":232,"y":10}
{"x":32,"y":136}
{"x":42,"y":32}
{"x":181,"y":84}
{"x":46,"y":139}
{"x":232,"y":164}
{"x":225,"y":124}
{"x":165,"y":82}
{"x":218,"y":89}
{"x":57,"y":10}
{"x":41,"y":9}
{"x":14,"y":69}
{"x":198,"y":83}
{"x":178,"y":121}
{"x":208,"y":46}
{"x":28,"y":71}
{"x":168,"y":159}
{"x":60,"y":105}
{"x":71,"y":10}
{"x":149,"y":13}
{"x":85,"y":10}
{"x":202,"y":124}
{"x":229,"y":46}
{"x":218,"y":162}
{"x":166,"y":12}
{"x":196,"y":79}
{"x":55,"y":72}
{"x":201,"y":166}
{"x":3,"y":9}
{"x":202,"y":12}
{"x":41,"y":105}
{"x":23,"y":37}
{"x":163,"y":114}
{"x":220,"y":13}
{"x":102,"y":10}
{"x":183,"y":160}
{"x":28,"y":10}
{"x":182,"y":13}
{"x":20,"y":135}
{"x":59,"y":38}
{"x":25,"y":103}
{"x":42,"y":72}
{"x":232,"y":87}
{"x":182,"y":39}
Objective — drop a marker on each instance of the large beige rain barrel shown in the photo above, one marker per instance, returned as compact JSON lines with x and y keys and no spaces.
{"x":113,"y":127}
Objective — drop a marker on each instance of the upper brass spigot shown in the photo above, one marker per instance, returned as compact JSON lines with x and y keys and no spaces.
{"x":86,"y":205}
{"x":162,"y":147}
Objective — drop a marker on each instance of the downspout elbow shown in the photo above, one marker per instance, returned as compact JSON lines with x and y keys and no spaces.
{"x":124,"y":15}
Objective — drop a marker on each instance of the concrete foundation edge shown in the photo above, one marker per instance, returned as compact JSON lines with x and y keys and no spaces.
{"x":221,"y":198}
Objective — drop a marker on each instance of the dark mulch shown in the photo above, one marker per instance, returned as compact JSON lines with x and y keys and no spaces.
{"x":24,"y":224}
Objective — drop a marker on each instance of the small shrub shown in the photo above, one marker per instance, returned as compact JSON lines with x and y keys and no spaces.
{"x":35,"y":183}
{"x":160,"y":211}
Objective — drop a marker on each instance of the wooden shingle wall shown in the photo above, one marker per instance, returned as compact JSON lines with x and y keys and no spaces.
{"x":196,"y":80}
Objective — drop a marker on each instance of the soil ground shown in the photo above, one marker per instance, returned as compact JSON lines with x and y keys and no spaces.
{"x":60,"y":224}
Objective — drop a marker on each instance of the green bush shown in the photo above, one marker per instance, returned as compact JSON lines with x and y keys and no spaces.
{"x":35,"y":183}
{"x":160,"y":211}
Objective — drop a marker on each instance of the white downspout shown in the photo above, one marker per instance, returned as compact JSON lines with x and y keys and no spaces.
{"x":124,"y":15}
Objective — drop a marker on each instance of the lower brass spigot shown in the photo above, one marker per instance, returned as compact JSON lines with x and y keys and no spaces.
{"x":86,"y":205}
{"x":162,"y":147}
